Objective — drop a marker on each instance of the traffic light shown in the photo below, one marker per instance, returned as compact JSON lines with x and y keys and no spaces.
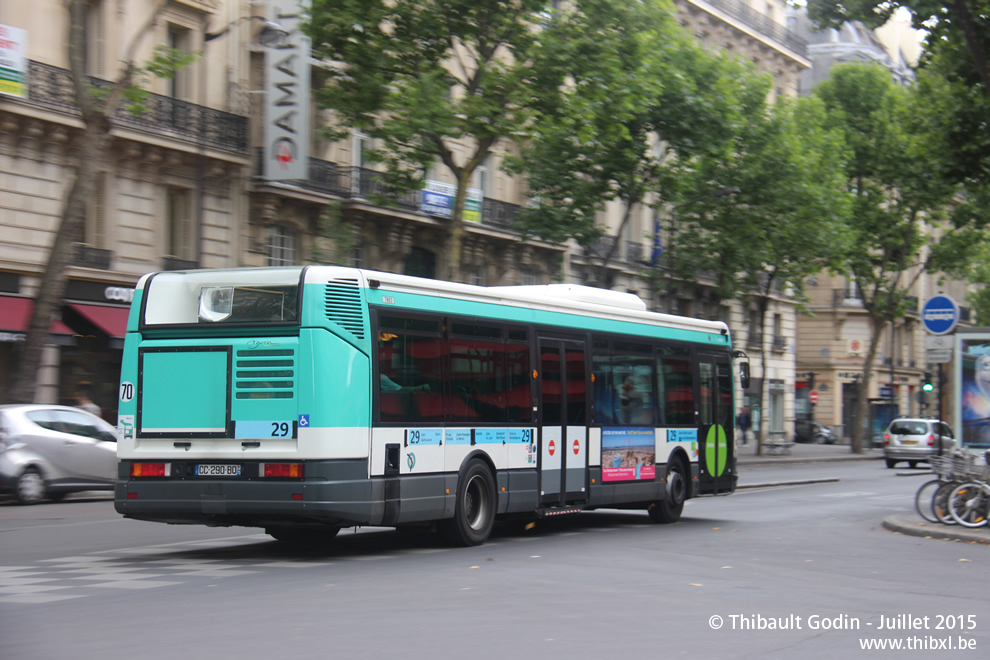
{"x":926,"y":384}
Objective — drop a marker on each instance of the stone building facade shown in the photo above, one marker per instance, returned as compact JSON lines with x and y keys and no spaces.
{"x":181,"y":188}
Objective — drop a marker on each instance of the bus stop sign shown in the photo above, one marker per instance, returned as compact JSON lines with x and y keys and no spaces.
{"x":940,"y":315}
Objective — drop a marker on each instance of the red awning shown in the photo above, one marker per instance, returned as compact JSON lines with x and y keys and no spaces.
{"x":15,"y":313}
{"x":111,"y":320}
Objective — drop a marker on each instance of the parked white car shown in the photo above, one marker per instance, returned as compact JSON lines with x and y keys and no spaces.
{"x":916,"y":439}
{"x":48,"y":451}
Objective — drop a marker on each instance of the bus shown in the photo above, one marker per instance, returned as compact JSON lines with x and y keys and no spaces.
{"x":306,"y":399}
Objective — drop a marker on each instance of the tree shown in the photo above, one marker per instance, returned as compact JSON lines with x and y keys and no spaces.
{"x":785,"y":219}
{"x":97,"y":108}
{"x":632,"y":95}
{"x":430,"y":82}
{"x":909,"y":216}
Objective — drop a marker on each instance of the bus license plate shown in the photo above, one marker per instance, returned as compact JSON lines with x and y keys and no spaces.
{"x":209,"y":470}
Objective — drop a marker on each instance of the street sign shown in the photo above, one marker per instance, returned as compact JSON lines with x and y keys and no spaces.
{"x":886,"y":392}
{"x":813,"y":397}
{"x":940,"y":315}
{"x":939,"y":341}
{"x":939,"y":355}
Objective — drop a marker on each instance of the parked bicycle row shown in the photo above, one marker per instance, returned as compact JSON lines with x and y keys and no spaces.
{"x":960,"y":492}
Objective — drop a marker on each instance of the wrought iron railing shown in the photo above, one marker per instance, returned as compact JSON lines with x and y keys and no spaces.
{"x":762,"y":24}
{"x":51,"y":87}
{"x":87,"y":256}
{"x":349,"y":182}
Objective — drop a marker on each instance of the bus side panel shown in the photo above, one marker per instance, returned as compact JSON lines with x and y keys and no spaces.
{"x":334,"y":388}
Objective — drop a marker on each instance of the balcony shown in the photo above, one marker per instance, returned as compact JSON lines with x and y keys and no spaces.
{"x":847,"y":298}
{"x":51,"y":88}
{"x":349,"y":182}
{"x":762,"y":24}
{"x":779,"y":343}
{"x":86,"y":256}
{"x":174,"y":263}
{"x":754,"y":340}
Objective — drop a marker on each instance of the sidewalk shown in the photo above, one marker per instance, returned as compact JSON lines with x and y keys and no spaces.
{"x":804,"y":453}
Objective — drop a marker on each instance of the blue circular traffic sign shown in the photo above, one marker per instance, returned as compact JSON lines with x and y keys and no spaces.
{"x":940,"y":315}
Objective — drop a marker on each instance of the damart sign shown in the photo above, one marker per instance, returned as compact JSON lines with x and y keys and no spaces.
{"x":287,"y":94}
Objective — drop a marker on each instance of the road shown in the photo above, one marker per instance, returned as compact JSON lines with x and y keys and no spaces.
{"x":76,"y":580}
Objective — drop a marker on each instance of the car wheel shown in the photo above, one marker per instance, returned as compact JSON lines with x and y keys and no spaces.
{"x":30,"y":487}
{"x":820,"y":439}
{"x":891,"y":463}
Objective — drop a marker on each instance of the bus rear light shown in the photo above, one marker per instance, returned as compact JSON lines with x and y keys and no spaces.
{"x":149,"y":469}
{"x":293,"y":470}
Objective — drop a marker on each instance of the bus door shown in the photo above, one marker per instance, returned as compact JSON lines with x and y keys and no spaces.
{"x":563,"y":422}
{"x":716,"y":449}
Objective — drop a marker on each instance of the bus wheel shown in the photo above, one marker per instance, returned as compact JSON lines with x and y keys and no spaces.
{"x":303,"y":535}
{"x":668,"y":510}
{"x":474,"y":512}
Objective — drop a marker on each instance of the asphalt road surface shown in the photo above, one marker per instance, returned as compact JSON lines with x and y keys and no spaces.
{"x":787,"y":572}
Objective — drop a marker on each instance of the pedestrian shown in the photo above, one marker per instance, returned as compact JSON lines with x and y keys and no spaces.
{"x":85,"y":403}
{"x":744,"y":422}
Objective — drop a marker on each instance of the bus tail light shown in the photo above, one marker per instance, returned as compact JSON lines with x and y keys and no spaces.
{"x":293,"y":470}
{"x":149,"y":469}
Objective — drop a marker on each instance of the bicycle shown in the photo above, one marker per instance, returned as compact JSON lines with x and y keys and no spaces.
{"x":931,"y":500}
{"x":969,"y":502}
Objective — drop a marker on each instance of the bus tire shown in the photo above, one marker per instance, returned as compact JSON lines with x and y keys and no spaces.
{"x":302,"y":535}
{"x":668,"y":510}
{"x":474,"y":510}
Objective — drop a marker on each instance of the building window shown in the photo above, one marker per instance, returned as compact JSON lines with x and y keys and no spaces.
{"x":94,"y":230}
{"x":485,"y":177}
{"x":180,"y":84}
{"x":529,"y":276}
{"x":281,"y":246}
{"x":178,"y":224}
{"x":94,"y":49}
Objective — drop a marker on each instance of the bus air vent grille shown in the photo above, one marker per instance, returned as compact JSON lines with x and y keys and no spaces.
{"x":264,"y":373}
{"x":345,"y":307}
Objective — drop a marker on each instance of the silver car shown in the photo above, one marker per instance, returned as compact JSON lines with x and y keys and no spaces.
{"x":915,"y":439}
{"x":48,"y":451}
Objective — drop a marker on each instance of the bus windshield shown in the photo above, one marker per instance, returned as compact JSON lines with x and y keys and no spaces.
{"x":255,"y":296}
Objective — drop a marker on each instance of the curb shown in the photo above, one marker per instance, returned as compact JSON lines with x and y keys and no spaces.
{"x":790,"y":460}
{"x":799,"y":482}
{"x":912,"y":525}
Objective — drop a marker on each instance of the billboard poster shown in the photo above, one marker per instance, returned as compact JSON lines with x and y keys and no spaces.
{"x":437,"y":199}
{"x":628,"y":454}
{"x":973,"y":380}
{"x":13,"y":62}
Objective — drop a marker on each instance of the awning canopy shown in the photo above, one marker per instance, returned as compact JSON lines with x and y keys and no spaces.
{"x":111,"y":321}
{"x":15,"y":313}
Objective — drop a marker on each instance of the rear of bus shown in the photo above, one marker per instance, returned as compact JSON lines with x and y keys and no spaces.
{"x":224,"y":417}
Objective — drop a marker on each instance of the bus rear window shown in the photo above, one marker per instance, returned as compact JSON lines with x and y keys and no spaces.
{"x":254,"y":297}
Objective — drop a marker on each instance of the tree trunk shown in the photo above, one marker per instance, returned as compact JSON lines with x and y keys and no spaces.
{"x":860,"y":425}
{"x":94,"y":142}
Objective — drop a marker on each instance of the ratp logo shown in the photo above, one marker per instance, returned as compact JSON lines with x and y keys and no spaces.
{"x":411,"y":460}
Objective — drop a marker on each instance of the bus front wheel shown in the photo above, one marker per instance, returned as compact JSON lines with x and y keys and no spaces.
{"x":474,"y":512}
{"x":668,"y":510}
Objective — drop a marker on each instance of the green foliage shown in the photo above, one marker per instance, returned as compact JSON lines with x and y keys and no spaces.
{"x":625,"y":88}
{"x":787,"y":219}
{"x":335,"y":238}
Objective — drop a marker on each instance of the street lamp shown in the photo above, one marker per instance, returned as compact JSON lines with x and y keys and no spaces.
{"x":271,"y":32}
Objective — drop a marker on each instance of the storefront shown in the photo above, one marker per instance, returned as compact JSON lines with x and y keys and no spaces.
{"x":87,"y":342}
{"x":97,"y":313}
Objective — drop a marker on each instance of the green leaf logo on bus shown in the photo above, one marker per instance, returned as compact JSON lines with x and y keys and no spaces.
{"x":716,"y":450}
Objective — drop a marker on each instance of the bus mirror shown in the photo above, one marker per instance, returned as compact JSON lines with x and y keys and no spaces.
{"x":744,"y":375}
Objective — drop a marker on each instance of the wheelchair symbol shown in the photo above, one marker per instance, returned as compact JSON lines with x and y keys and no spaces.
{"x":303,"y":420}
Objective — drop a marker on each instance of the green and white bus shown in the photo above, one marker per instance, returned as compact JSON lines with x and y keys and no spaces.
{"x":307,"y":399}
